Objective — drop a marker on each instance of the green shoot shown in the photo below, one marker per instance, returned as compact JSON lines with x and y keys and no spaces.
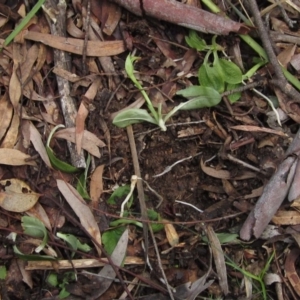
{"x":23,"y":23}
{"x":34,"y":227}
{"x":206,"y":97}
{"x":55,"y":162}
{"x":259,"y":277}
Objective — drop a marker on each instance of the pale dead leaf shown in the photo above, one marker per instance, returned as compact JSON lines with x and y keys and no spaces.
{"x":16,"y":195}
{"x":80,"y":120}
{"x":83,"y":112}
{"x":258,"y":129}
{"x":171,"y":234}
{"x":224,"y":174}
{"x":93,"y":48}
{"x":15,"y":157}
{"x":38,"y":212}
{"x":90,"y":142}
{"x":218,"y":258}
{"x":25,"y":273}
{"x":82,"y":211}
{"x":37,"y":142}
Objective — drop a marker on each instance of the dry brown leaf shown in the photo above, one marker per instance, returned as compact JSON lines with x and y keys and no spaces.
{"x":224,"y":174}
{"x":171,"y":234}
{"x":285,"y":56}
{"x":82,"y":211}
{"x":83,"y":112}
{"x":290,"y":269}
{"x":94,"y":48}
{"x":90,"y":141}
{"x":15,"y":157}
{"x":12,"y":133}
{"x":111,"y":13}
{"x":258,"y":129}
{"x":6,"y":113}
{"x":218,"y":258}
{"x":283,"y":217}
{"x":96,"y":184}
{"x":37,"y":142}
{"x":16,"y":195}
{"x":38,"y":212}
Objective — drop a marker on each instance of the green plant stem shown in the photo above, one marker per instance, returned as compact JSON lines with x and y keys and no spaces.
{"x":24,"y":22}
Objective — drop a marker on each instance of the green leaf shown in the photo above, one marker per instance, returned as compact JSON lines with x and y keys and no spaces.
{"x":63,"y":293}
{"x":224,"y":238}
{"x":52,"y":279}
{"x":3,"y":272}
{"x":34,"y":227}
{"x":232,"y":73}
{"x":32,"y":257}
{"x":211,"y":78}
{"x":81,"y":184}
{"x":132,"y":116}
{"x":236,"y":96}
{"x":200,"y":97}
{"x":120,"y":192}
{"x":111,"y":237}
{"x":74,"y":242}
{"x":55,"y":162}
{"x":194,"y":41}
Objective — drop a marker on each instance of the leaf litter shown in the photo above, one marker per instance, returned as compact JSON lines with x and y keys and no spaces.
{"x":205,"y":206}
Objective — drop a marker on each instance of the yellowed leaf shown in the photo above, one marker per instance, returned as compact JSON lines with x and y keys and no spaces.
{"x":15,"y":157}
{"x":283,"y":217}
{"x":172,"y":235}
{"x":16,"y":195}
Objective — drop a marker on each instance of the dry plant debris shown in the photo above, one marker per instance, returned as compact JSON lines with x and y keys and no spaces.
{"x":194,"y":103}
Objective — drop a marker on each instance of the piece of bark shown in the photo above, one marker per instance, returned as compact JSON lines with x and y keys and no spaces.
{"x":183,"y":15}
{"x":62,"y":60}
{"x":273,"y":195}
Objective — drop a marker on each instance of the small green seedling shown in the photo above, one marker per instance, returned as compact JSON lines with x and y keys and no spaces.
{"x":74,"y":242}
{"x":54,"y":281}
{"x":209,"y":97}
{"x":81,"y":184}
{"x":23,"y":23}
{"x":34,"y":227}
{"x":55,"y":162}
{"x":259,"y":277}
{"x":3,"y":272}
{"x":219,"y":74}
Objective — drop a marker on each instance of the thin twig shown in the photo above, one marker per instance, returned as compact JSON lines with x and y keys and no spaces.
{"x":140,"y":187}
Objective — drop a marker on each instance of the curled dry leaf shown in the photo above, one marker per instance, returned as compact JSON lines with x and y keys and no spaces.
{"x":82,"y":211}
{"x":218,"y":258}
{"x":37,"y":142}
{"x":90,"y":142}
{"x":224,"y":174}
{"x":6,"y":113}
{"x":13,"y":157}
{"x":290,"y":270}
{"x":17,"y":196}
{"x":172,"y":235}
